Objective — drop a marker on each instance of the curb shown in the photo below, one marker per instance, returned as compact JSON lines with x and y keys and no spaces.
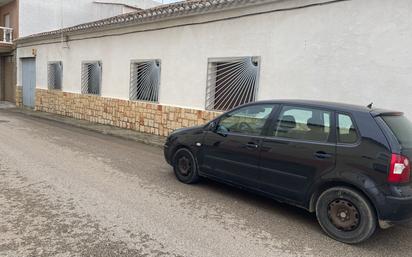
{"x":127,"y":134}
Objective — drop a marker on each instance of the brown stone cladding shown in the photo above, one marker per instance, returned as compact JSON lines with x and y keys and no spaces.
{"x":140,"y":116}
{"x":19,"y":96}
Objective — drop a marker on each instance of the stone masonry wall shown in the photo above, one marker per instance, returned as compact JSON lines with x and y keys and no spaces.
{"x":141,"y":116}
{"x":19,"y":96}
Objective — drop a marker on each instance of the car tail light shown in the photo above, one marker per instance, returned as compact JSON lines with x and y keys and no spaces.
{"x":400,"y":169}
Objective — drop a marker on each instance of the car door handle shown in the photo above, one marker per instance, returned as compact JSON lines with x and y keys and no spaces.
{"x":322,"y":155}
{"x":251,"y":145}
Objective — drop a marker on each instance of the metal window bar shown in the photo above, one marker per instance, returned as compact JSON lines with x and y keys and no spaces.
{"x":91,"y":78}
{"x":55,"y":75}
{"x":7,"y":37}
{"x":145,"y":80}
{"x":232,"y":82}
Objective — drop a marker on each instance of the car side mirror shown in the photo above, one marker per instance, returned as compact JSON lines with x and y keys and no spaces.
{"x":214,"y":127}
{"x":221,"y":133}
{"x":211,"y":126}
{"x":221,"y":130}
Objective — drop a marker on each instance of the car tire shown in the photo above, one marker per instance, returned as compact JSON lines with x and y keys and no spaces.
{"x":185,"y":166}
{"x":346,"y":215}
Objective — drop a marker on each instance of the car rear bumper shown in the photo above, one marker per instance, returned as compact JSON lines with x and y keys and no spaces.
{"x":393,"y":210}
{"x":400,"y":208}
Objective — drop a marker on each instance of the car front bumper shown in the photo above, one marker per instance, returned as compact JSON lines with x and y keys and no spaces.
{"x":167,"y":151}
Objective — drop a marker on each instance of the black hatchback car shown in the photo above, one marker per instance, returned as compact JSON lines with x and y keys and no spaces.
{"x":348,"y":164}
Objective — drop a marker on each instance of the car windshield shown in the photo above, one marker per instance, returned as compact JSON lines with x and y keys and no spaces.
{"x":402,"y":128}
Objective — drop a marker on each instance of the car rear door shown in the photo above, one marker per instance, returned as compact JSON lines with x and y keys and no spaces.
{"x":299,"y":146}
{"x":231,"y":150}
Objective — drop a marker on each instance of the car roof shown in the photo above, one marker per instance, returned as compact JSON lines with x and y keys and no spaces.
{"x":331,"y":106}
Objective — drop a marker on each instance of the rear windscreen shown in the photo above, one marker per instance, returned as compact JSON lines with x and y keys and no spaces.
{"x":402,"y":128}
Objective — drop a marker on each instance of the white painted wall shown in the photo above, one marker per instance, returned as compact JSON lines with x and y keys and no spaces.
{"x":39,"y":15}
{"x":142,"y":4}
{"x":355,"y":52}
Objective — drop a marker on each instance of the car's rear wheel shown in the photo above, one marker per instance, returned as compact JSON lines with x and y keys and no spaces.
{"x":346,"y":215}
{"x":185,"y":166}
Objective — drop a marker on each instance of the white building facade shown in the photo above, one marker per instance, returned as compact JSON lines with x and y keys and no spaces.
{"x":355,"y":51}
{"x":21,"y":18}
{"x":37,"y":16}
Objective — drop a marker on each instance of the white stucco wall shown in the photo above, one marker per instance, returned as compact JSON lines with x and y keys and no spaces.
{"x":355,"y":52}
{"x":142,"y":4}
{"x":39,"y":15}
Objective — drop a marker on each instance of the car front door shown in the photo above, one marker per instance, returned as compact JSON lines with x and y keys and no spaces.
{"x":231,"y":149}
{"x":299,"y":146}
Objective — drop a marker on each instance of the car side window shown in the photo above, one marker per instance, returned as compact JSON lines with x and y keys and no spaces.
{"x":303,"y":124}
{"x":248,"y":120}
{"x":347,"y":133}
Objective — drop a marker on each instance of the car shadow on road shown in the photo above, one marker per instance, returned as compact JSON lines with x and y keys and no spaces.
{"x":261,"y":203}
{"x":390,"y":242}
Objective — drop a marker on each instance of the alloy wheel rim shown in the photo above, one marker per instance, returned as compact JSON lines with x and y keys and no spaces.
{"x":344,"y":215}
{"x":185,"y":165}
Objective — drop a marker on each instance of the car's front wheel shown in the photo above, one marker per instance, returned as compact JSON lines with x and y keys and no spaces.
{"x":346,"y":215}
{"x":185,"y":166}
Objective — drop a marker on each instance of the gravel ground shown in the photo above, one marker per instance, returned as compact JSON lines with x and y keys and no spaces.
{"x":65,"y":191}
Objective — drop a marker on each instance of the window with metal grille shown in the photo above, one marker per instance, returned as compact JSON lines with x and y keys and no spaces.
{"x":145,"y":80}
{"x":55,"y":75}
{"x":91,"y":77}
{"x":231,"y":82}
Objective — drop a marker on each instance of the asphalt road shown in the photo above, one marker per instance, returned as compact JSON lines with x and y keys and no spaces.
{"x":65,"y":191}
